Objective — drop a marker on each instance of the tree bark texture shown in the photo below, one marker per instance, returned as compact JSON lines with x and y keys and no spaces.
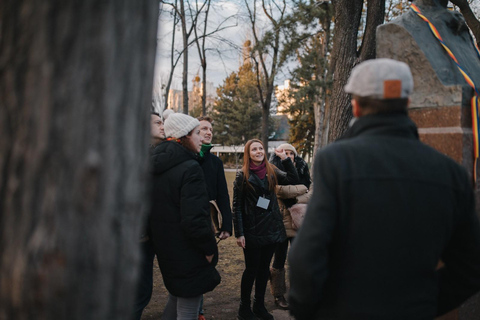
{"x":74,"y":120}
{"x":375,"y":17}
{"x":345,"y":56}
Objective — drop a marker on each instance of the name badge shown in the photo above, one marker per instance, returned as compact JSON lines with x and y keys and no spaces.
{"x":263,"y":202}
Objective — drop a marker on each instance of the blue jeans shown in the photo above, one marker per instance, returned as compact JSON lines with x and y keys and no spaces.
{"x":178,"y":308}
{"x":145,"y":279}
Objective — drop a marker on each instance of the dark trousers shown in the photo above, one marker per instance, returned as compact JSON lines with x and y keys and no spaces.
{"x":257,"y":269}
{"x":145,"y":279}
{"x":281,"y":254}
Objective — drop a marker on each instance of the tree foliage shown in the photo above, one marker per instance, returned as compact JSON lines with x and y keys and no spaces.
{"x":309,"y":40}
{"x":237,"y":112}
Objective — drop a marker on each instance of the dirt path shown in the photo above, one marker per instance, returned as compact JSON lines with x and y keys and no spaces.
{"x":222,"y":303}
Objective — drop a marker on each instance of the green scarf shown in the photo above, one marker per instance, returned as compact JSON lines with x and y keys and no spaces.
{"x":204,"y":149}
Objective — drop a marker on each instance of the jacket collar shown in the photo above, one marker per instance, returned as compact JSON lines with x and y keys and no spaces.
{"x":253,"y":179}
{"x":398,"y":125}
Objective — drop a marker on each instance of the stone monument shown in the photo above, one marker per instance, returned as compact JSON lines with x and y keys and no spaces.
{"x":441,"y":102}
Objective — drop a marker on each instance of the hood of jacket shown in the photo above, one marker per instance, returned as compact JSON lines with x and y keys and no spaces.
{"x":169,"y":154}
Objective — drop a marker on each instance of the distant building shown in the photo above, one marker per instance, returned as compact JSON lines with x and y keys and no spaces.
{"x":175,"y":97}
{"x":281,"y":94}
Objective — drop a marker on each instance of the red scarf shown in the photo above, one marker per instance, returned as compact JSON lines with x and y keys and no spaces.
{"x":260,"y":170}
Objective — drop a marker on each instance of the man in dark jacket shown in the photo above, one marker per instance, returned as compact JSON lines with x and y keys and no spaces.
{"x":385,"y":210}
{"x":214,"y":173}
{"x":147,"y":254}
{"x":217,"y":189}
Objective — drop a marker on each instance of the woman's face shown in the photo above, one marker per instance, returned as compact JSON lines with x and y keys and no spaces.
{"x":257,"y":154}
{"x":291,"y":155}
{"x":194,"y":140}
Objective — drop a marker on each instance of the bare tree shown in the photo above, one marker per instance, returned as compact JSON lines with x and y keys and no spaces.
{"x":201,"y":42}
{"x":203,"y":58}
{"x":173,"y":58}
{"x":74,"y":106}
{"x":266,"y":53}
{"x":188,"y":17}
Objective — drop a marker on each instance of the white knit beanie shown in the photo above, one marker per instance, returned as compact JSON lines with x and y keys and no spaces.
{"x":166,"y":113}
{"x":178,"y":125}
{"x":288,"y":146}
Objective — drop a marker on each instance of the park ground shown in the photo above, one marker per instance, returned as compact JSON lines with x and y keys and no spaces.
{"x":222,"y":303}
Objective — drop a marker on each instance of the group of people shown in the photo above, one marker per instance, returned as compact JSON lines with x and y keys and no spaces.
{"x":390,"y":230}
{"x":187,"y":178}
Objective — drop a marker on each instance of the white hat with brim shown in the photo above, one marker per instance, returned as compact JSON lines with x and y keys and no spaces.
{"x":381,"y":79}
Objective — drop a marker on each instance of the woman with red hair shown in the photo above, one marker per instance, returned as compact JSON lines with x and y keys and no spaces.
{"x":258,"y":222}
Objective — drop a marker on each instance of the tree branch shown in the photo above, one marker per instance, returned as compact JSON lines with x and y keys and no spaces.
{"x":375,"y":17}
{"x":472,"y":22}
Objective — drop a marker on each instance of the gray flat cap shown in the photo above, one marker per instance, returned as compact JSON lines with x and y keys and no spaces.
{"x":381,"y":79}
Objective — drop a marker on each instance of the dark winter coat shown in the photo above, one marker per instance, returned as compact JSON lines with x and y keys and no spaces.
{"x":217,"y":187}
{"x":385,"y":210}
{"x":180,"y":222}
{"x":260,"y":226}
{"x":300,"y":165}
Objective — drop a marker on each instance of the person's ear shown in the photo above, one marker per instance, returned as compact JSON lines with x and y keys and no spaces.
{"x":356,"y":110}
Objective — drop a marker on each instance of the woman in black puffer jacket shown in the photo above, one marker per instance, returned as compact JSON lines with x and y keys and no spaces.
{"x":258,"y":222}
{"x":180,"y":223}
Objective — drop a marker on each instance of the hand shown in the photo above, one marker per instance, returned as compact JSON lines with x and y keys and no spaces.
{"x":209,"y":258}
{"x":241,"y":242}
{"x":281,"y":153}
{"x":224,"y":235}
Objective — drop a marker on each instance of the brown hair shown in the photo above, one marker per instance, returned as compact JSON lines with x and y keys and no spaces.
{"x":205,"y":118}
{"x":381,"y":106}
{"x":271,"y":176}
{"x":185,"y":142}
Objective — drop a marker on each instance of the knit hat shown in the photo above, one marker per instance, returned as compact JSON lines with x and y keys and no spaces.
{"x":166,"y":113}
{"x":288,"y":146}
{"x":178,"y":125}
{"x":381,"y":79}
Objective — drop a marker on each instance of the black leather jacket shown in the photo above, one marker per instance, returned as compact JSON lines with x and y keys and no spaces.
{"x":260,"y":226}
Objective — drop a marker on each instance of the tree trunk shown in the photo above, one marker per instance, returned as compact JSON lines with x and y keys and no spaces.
{"x":345,"y":56}
{"x":74,"y":121}
{"x":204,"y":89}
{"x":265,"y":120}
{"x":185,"y":58}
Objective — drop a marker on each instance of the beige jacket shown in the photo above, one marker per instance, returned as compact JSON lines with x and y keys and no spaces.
{"x":298,"y":192}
